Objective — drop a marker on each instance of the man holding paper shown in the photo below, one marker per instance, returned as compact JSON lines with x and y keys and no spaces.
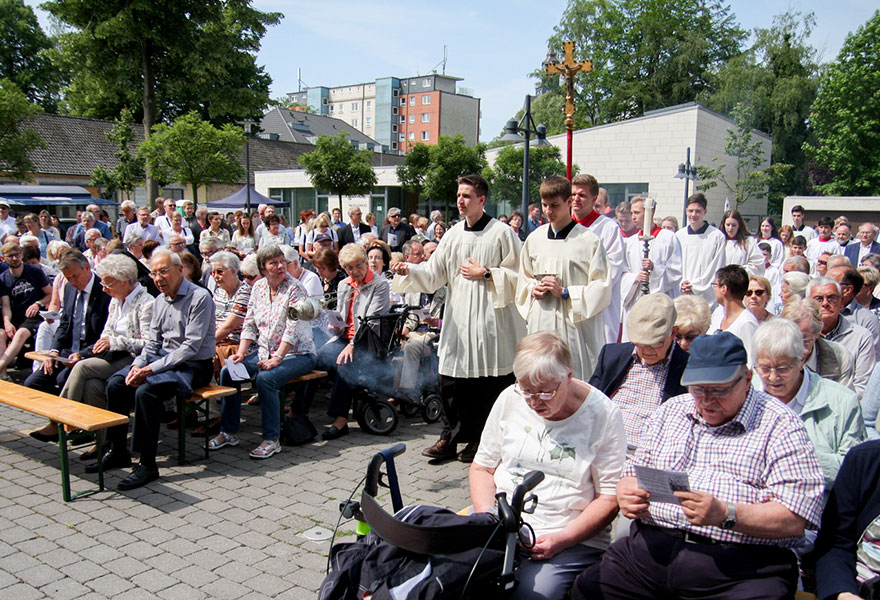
{"x":754,"y":481}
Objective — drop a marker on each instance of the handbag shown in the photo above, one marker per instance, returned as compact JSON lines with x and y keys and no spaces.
{"x":297,"y":430}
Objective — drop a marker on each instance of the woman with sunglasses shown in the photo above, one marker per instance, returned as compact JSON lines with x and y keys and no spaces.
{"x":693,"y":317}
{"x":757,"y":297}
{"x":552,"y":422}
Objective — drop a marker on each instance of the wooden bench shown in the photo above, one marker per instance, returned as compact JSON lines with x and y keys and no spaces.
{"x":200,"y":401}
{"x":70,"y":416}
{"x":285,"y":389}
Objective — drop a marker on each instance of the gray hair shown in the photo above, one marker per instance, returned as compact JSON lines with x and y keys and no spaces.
{"x":249,"y":266}
{"x":290,"y":253}
{"x":799,"y":263}
{"x":176,"y":238}
{"x":799,"y":309}
{"x":87,"y":216}
{"x":435,"y":214}
{"x":227,"y":259}
{"x":127,"y":204}
{"x":210,"y":243}
{"x":131,"y":238}
{"x":53,"y":247}
{"x":118,"y":267}
{"x":542,"y":359}
{"x":90,"y":233}
{"x":820,"y":281}
{"x":267,"y":253}
{"x":692,"y":312}
{"x":872,"y":259}
{"x":100,"y":243}
{"x":870,"y":275}
{"x":201,"y":211}
{"x":163,"y":251}
{"x":837,"y":260}
{"x":28,"y":239}
{"x":74,"y":257}
{"x":778,"y":339}
{"x":797,"y":282}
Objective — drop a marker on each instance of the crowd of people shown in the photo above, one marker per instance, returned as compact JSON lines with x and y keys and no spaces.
{"x":699,"y":398}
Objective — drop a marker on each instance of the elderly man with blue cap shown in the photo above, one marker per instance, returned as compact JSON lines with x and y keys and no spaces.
{"x":733,"y":482}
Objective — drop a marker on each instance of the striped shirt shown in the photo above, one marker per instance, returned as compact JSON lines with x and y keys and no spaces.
{"x":761,"y":455}
{"x":639,"y":395}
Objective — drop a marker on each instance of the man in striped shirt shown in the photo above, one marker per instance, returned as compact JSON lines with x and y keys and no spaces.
{"x":754,"y":485}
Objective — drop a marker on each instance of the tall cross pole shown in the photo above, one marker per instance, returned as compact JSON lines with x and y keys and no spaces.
{"x":568,"y":69}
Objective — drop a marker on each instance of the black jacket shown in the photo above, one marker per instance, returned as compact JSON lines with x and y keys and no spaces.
{"x":615,"y":361}
{"x":346,"y":236}
{"x":404,"y":233}
{"x":96,"y":317}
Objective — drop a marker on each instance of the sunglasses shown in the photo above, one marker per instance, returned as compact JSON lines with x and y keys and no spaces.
{"x":757,"y":293}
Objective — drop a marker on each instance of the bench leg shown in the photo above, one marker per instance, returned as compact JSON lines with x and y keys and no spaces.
{"x":65,"y":467}
{"x":181,"y":432}
{"x":207,"y":425}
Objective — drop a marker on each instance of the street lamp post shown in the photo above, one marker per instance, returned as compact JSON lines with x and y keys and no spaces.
{"x":247,"y":124}
{"x":688,"y":172}
{"x":527,"y":127}
{"x":568,"y":69}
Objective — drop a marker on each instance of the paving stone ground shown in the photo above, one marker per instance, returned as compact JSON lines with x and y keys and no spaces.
{"x":225,"y":527}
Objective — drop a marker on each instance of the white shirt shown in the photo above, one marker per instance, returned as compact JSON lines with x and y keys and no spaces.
{"x":743,"y":327}
{"x":86,"y":293}
{"x":121,"y":328}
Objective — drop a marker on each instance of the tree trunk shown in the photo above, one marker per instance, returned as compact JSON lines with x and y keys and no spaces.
{"x":149,"y":105}
{"x":340,"y":202}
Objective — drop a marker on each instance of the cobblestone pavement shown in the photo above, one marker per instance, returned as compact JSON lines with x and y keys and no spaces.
{"x":226,"y":527}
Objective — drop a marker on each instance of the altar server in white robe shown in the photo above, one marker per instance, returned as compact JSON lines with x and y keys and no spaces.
{"x":742,"y":249}
{"x":584,"y":190}
{"x":564,"y":279}
{"x":703,"y":250}
{"x":478,"y":260}
{"x":661,"y":270}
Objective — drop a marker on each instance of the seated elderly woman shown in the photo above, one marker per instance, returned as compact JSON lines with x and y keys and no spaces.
{"x":562,"y":426}
{"x":794,"y":283}
{"x":693,"y":318}
{"x":124,"y":336}
{"x":284,"y":350}
{"x":361,"y":294}
{"x":830,"y":411}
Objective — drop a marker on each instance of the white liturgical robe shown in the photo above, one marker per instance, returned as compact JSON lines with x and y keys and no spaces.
{"x":609,"y":232}
{"x":580,"y":264}
{"x":702,"y":254}
{"x":481,"y":326}
{"x":746,"y":255}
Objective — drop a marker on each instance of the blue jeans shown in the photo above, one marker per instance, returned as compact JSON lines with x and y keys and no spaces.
{"x":268,"y":384}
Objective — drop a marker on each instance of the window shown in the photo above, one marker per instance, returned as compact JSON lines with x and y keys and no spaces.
{"x":354,"y":123}
{"x":332,"y":107}
{"x":426,"y":136}
{"x":403,"y":101}
{"x":369,"y":122}
{"x":426,"y":82}
{"x":368,"y":104}
{"x":395,"y":92}
{"x":426,"y":117}
{"x":394,"y":110}
{"x":402,"y":137}
{"x":412,"y":118}
{"x":412,"y":135}
{"x":324,"y":101}
{"x":341,"y":108}
{"x":394,"y":145}
{"x":618,"y":192}
{"x":393,"y":128}
{"x":402,"y":119}
{"x":412,"y":100}
{"x":426,"y":99}
{"x":354,"y":106}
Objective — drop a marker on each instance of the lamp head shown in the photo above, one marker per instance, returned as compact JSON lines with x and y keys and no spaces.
{"x":681,"y":172}
{"x":511,"y":132}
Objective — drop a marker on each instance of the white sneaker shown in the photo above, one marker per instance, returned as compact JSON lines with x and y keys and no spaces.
{"x":223,"y":439}
{"x":266,"y":449}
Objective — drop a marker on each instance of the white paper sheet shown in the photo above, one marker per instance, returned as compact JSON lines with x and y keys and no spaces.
{"x":661,"y":484}
{"x":237,"y":371}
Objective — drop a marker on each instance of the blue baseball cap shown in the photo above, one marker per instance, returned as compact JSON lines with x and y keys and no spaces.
{"x":714,"y":359}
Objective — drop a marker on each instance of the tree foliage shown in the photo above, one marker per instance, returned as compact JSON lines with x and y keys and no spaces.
{"x":749,"y":180}
{"x":505,"y":176}
{"x":777,"y":79}
{"x":23,"y":60}
{"x":845,"y":118}
{"x":451,"y":158}
{"x":16,"y":141}
{"x":337,"y":166}
{"x":194,"y":151}
{"x":646,"y":54}
{"x":548,"y":109}
{"x":414,"y":169}
{"x":125,"y":175}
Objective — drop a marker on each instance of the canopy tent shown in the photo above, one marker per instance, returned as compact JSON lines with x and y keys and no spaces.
{"x":239,"y":200}
{"x":46,"y":195}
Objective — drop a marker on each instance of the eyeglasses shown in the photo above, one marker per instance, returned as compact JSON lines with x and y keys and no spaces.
{"x":542,"y":396}
{"x":249,"y":277}
{"x":832,"y":298}
{"x":161,"y":272}
{"x":689,"y":337}
{"x":218,"y":271}
{"x":757,"y":293}
{"x":781,"y":371}
{"x":698,"y":391}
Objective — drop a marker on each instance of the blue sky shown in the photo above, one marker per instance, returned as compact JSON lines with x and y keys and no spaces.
{"x":492,"y":44}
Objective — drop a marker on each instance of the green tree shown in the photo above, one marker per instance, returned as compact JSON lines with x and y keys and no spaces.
{"x":337,"y":166}
{"x":414,"y":169}
{"x":749,"y":181}
{"x":548,"y":109}
{"x":845,"y":118}
{"x":194,"y":151}
{"x":23,"y":60}
{"x":777,"y":79}
{"x":646,"y":54}
{"x":451,"y":158}
{"x":171,"y":58}
{"x":16,"y":141}
{"x":125,"y":175}
{"x":505,"y":176}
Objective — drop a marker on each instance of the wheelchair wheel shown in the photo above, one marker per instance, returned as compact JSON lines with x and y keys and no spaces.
{"x":431,"y":408}
{"x":377,"y":416}
{"x":408,"y":408}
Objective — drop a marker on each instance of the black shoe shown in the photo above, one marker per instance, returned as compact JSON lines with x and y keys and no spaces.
{"x":113,"y":459}
{"x":470,"y":451}
{"x":334,"y":432}
{"x":43,"y":437}
{"x":141,"y":476}
{"x":89,"y":455}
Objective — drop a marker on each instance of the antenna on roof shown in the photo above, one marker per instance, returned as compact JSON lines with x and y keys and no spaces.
{"x":441,"y":63}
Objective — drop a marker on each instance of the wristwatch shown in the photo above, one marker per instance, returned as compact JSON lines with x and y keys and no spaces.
{"x":488,"y":274}
{"x":730,"y":521}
